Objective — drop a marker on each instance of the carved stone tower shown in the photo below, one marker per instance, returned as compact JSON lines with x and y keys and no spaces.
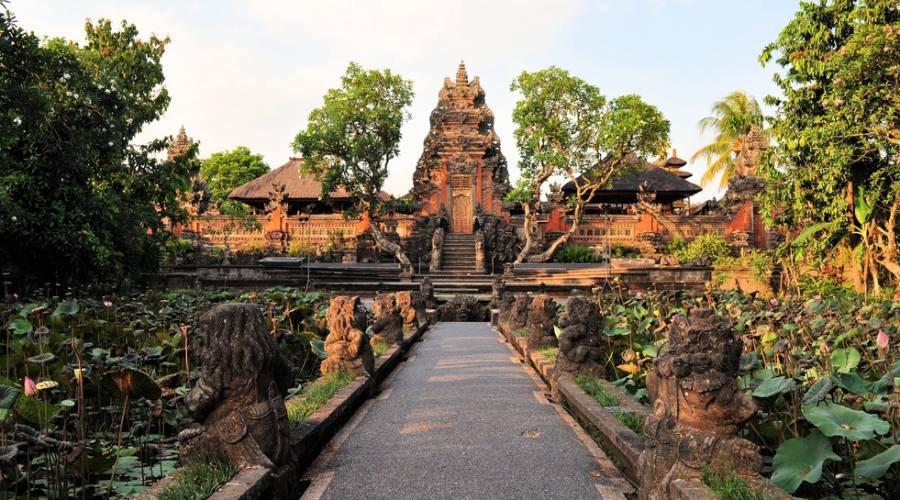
{"x":461,"y":168}
{"x":179,"y":145}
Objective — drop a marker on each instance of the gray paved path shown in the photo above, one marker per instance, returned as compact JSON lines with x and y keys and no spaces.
{"x":461,"y":419}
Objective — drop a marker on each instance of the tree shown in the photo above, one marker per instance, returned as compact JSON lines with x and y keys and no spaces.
{"x":731,"y":120}
{"x":226,"y":170}
{"x":77,"y":199}
{"x":836,"y":168}
{"x":350,"y":140}
{"x":564,"y":126}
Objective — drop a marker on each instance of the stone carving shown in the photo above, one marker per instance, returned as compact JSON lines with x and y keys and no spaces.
{"x":752,"y":147}
{"x":426,"y":288}
{"x":541,"y":318}
{"x":180,"y":145}
{"x":239,"y":397}
{"x":412,"y":310}
{"x":580,"y":348}
{"x":387,"y":325}
{"x":697,"y":406}
{"x":277,"y":198}
{"x":518,"y":313}
{"x":437,"y":249}
{"x":347,"y":344}
{"x":498,"y":288}
{"x":200,"y":196}
{"x":479,"y":251}
{"x":462,"y":308}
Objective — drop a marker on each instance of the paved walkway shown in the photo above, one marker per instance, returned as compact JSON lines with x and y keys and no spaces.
{"x":462,"y":419}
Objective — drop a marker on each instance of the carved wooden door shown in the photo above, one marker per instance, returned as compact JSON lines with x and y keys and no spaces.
{"x":461,"y":208}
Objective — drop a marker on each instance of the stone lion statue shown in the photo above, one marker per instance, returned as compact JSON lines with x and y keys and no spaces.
{"x":541,"y":318}
{"x":239,"y":396}
{"x":580,"y":346}
{"x":387,"y":325}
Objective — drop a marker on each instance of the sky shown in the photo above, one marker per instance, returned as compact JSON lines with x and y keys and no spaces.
{"x":247,"y":73}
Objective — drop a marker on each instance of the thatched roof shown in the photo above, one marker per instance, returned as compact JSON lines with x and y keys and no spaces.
{"x":658,"y":180}
{"x":298,"y":186}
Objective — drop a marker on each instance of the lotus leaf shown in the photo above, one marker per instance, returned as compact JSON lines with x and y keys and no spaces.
{"x":838,"y":420}
{"x":131,"y":382}
{"x":8,"y":396}
{"x":800,"y":460}
{"x":42,"y":359}
{"x":773,"y":387}
{"x":67,"y":308}
{"x":845,"y":360}
{"x":818,"y":391}
{"x":875,"y":467}
{"x":20,"y":326}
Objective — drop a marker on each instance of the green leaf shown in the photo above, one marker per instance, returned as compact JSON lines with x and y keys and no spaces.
{"x":875,"y":467}
{"x":318,"y":347}
{"x":800,"y":460}
{"x":844,"y":360}
{"x":818,"y":391}
{"x":20,"y":326}
{"x":42,"y":359}
{"x":852,"y":382}
{"x":67,"y":308}
{"x":838,"y":420}
{"x":773,"y":387}
{"x":8,"y":396}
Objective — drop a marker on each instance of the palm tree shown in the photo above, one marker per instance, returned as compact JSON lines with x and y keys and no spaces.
{"x":731,"y":120}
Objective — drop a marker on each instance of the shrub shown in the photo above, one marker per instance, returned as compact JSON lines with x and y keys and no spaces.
{"x":576,"y":254}
{"x":709,"y":246}
{"x":624,"y":252}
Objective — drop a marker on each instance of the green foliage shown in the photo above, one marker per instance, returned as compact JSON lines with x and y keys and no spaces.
{"x":727,"y":485}
{"x":732,"y":119}
{"x":632,"y":420}
{"x":838,"y":420}
{"x":226,"y":170}
{"x":576,"y":254}
{"x":565,"y":126}
{"x":549,"y":352}
{"x":837,"y":128}
{"x":594,"y":388}
{"x":315,"y":395}
{"x":710,"y":247}
{"x":78,"y":199}
{"x":350,"y":140}
{"x":878,"y":465}
{"x":379,"y":348}
{"x":199,"y":479}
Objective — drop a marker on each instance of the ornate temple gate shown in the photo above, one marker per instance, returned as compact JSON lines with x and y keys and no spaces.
{"x":461,"y":214}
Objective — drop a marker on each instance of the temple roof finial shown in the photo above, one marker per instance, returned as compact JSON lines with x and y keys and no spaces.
{"x":462,"y":78}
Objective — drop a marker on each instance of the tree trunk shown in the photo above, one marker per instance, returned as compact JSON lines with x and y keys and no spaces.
{"x":561,"y":240}
{"x":389,"y":246}
{"x":530,"y":217}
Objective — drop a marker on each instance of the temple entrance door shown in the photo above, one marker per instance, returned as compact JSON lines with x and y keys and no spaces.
{"x":461,"y":208}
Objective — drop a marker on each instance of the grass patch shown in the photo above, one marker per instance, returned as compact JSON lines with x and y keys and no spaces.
{"x":521,"y":332}
{"x":199,"y":479}
{"x":632,"y":420}
{"x":315,"y":395}
{"x":592,"y":386}
{"x":729,"y":486}
{"x":549,"y":352}
{"x":380,"y":348}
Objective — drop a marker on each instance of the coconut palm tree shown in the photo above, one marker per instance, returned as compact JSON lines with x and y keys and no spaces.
{"x":731,"y":120}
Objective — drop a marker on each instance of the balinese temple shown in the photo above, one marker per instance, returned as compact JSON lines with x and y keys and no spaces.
{"x":665,"y":180}
{"x":298,"y":192}
{"x":462,"y":175}
{"x":461,"y":172}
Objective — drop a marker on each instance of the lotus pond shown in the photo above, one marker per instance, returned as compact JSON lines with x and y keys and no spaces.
{"x":823,"y":370}
{"x":91,"y":388}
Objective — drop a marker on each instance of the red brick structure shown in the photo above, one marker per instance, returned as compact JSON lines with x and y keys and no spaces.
{"x":461,"y":170}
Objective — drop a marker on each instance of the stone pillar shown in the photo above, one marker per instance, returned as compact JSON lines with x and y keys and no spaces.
{"x":697,"y":407}
{"x":347,"y":343}
{"x":427,"y":291}
{"x":497,"y":289}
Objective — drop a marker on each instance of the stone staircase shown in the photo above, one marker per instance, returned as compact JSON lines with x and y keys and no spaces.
{"x":458,"y":253}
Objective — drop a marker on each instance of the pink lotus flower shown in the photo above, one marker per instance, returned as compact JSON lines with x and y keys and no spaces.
{"x":881,"y":340}
{"x":773,"y":302}
{"x":638,"y":295}
{"x":817,"y":297}
{"x":107,"y":304}
{"x":30,"y":387}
